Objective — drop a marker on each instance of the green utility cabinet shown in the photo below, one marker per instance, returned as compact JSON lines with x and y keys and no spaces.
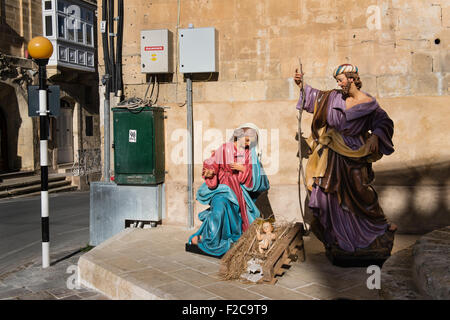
{"x":139,"y":146}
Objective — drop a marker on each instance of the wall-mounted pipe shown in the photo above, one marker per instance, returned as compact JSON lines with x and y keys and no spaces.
{"x":111,"y":45}
{"x":105,"y":47}
{"x":119,"y":41}
{"x":190,"y":126}
{"x":107,"y":83}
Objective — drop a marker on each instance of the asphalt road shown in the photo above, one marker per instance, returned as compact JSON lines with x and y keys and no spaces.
{"x":20,"y":227}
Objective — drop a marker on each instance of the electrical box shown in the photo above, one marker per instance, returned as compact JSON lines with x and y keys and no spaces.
{"x":139,"y":146}
{"x":156,"y":51}
{"x":198,"y":50}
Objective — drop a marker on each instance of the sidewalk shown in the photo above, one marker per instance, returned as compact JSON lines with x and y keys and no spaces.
{"x":31,"y":282}
{"x":153,"y":264}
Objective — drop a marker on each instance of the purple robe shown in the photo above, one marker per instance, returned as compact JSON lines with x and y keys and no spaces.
{"x":342,"y":227}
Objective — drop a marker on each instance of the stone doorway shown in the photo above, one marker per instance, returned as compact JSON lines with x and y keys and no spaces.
{"x":16,"y":135}
{"x":64,"y":133}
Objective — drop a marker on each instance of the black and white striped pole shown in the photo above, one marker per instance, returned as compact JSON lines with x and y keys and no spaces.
{"x":41,"y":49}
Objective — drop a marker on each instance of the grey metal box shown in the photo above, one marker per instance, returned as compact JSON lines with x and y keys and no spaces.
{"x":111,"y":205}
{"x":156,"y":51}
{"x":198,"y":50}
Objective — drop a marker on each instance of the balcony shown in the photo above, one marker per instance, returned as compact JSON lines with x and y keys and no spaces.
{"x":69,"y":25}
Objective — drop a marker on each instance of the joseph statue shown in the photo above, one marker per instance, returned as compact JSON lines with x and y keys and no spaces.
{"x":349,"y":131}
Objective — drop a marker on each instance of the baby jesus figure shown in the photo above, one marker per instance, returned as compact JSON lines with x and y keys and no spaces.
{"x":265,"y":240}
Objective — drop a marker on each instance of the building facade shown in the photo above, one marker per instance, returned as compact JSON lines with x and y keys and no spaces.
{"x":400,"y":47}
{"x":74,"y":134}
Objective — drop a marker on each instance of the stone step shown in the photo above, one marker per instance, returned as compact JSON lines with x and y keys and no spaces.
{"x":53,"y":190}
{"x":33,"y":189}
{"x":28,"y":181}
{"x":65,"y":168}
{"x":15,"y":174}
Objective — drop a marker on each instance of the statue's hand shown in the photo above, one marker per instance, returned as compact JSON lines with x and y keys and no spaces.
{"x":298,"y":77}
{"x":237,"y":166}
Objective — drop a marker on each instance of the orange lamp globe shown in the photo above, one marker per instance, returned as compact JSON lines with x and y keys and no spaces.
{"x":40,"y":48}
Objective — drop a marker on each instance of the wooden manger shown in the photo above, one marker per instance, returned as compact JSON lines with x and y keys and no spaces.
{"x":288,"y":247}
{"x":284,"y":251}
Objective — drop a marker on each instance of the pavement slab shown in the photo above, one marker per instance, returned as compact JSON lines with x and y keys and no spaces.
{"x":193,"y":277}
{"x":229,"y":291}
{"x":278,"y":293}
{"x":318,"y":291}
{"x":184,"y":291}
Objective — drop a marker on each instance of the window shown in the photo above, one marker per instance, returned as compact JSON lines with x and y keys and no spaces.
{"x":87,"y":15}
{"x":90,"y":16}
{"x":47,"y":5}
{"x":89,"y":34}
{"x":80,"y":32}
{"x":81,"y":57}
{"x":61,"y":6}
{"x":62,"y":53}
{"x":48,"y":26}
{"x":90,"y":59}
{"x":70,"y":32}
{"x":89,"y":126}
{"x":61,"y":26}
{"x":72,"y":55}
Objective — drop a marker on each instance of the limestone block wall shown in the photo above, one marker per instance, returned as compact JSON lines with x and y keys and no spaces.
{"x":20,"y":127}
{"x":401,"y":48}
{"x":20,"y":21}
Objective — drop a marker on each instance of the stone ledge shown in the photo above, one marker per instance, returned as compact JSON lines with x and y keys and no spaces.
{"x":431,"y":267}
{"x":397,"y":281}
{"x":153,"y":264}
{"x":421,"y":271}
{"x":94,"y":276}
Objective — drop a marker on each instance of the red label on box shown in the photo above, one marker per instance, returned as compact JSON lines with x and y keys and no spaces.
{"x":154,"y":48}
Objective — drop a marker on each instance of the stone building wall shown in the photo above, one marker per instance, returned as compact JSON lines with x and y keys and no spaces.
{"x":20,"y":21}
{"x":401,"y":48}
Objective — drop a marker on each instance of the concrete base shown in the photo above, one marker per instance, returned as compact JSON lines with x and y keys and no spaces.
{"x":153,"y":264}
{"x":112,"y":205}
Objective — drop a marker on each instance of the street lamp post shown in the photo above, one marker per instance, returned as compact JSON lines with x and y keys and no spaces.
{"x":41,"y":49}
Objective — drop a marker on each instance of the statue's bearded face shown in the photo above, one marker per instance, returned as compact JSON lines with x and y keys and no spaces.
{"x":344,"y":83}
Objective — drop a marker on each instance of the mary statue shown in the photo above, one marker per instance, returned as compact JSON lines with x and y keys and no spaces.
{"x":234,"y":177}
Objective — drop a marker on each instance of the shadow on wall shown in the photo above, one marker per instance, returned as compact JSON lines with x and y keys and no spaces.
{"x":10,"y":108}
{"x":417,"y":199}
